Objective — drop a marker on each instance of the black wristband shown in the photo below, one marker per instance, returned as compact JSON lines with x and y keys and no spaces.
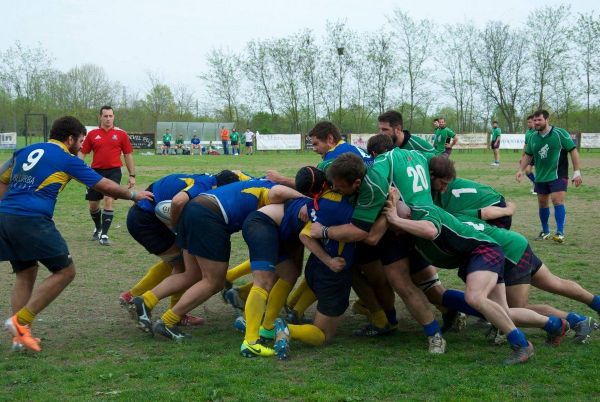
{"x":131,"y":175}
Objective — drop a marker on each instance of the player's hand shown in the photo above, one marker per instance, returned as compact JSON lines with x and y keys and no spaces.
{"x":389,"y":210}
{"x":131,"y":182}
{"x":336,"y":264}
{"x":274,"y":175}
{"x":519,"y":176}
{"x":316,"y":230}
{"x":303,"y":214}
{"x":143,"y":195}
{"x":511,"y":207}
{"x":577,"y":179}
{"x":394,"y":195}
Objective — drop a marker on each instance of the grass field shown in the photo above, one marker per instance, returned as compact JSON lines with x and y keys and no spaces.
{"x":92,"y":350}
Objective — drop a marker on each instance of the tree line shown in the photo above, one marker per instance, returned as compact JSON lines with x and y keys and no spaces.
{"x":422,"y":68}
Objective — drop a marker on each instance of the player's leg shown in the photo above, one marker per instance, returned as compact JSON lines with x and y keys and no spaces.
{"x":543,"y":196}
{"x":560,"y":212}
{"x":23,"y":287}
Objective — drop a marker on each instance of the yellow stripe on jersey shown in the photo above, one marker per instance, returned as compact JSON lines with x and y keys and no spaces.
{"x":5,"y":177}
{"x":58,"y":177}
{"x":241,"y":175}
{"x":188,"y":181}
{"x":332,"y":196}
{"x":261,"y":193}
{"x":306,"y":230}
{"x":61,"y":144}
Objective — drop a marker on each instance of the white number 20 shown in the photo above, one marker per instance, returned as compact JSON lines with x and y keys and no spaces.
{"x":419,"y":178}
{"x":33,"y":158}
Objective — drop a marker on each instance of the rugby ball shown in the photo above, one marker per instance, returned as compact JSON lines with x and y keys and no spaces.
{"x":162,"y":210}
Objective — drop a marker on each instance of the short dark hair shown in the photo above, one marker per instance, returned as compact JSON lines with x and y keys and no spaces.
{"x":442,"y":167}
{"x":379,"y":144}
{"x":495,"y":122}
{"x":391,"y":117}
{"x":541,"y":112}
{"x":530,"y":117}
{"x":434,"y":120}
{"x":322,"y":129}
{"x":226,"y":177}
{"x":105,"y":107}
{"x":66,"y":126}
{"x":347,"y":167}
{"x":310,"y":181}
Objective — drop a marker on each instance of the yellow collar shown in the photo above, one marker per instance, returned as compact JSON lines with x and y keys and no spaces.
{"x":60,"y":144}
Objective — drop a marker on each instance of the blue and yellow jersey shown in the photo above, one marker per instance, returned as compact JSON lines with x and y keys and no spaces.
{"x":238,"y":199}
{"x":342,"y":148}
{"x":167,"y":187}
{"x":38,"y":173}
{"x":290,"y":225}
{"x":333,"y":210}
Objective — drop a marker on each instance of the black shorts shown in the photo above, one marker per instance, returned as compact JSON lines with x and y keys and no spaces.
{"x":149,"y":231}
{"x":234,"y":143}
{"x":203,"y":232}
{"x":553,"y":186}
{"x":536,"y":263}
{"x":494,"y":146}
{"x":167,"y":143}
{"x":392,"y":247}
{"x":417,"y":262}
{"x":331,"y":288}
{"x":486,"y":257}
{"x":519,"y":274}
{"x":25,"y":240}
{"x":113,"y":174}
{"x":504,"y":222}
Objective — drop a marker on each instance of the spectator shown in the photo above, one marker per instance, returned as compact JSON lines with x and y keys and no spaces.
{"x":225,"y":139}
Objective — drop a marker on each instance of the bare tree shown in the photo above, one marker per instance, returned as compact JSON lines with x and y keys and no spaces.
{"x":586,"y":37}
{"x":310,"y":77}
{"x":184,"y":100}
{"x":159,"y":100}
{"x":223,"y":79}
{"x":259,"y":72}
{"x":382,"y":68}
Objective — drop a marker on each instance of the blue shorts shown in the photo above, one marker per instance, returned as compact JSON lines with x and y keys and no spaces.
{"x":486,"y":257}
{"x":149,"y":231}
{"x":519,"y":274}
{"x":536,"y":263}
{"x":331,"y":288}
{"x":447,"y":151}
{"x":25,"y":240}
{"x":203,"y":233}
{"x":248,"y":144}
{"x":554,"y":186}
{"x":262,"y":237}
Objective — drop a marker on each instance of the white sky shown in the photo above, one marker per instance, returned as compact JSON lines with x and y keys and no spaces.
{"x":171,"y":38}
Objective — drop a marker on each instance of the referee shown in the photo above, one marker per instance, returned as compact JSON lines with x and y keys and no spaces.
{"x":107,"y":142}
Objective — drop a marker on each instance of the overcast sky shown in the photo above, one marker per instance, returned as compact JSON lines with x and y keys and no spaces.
{"x":172,"y":38}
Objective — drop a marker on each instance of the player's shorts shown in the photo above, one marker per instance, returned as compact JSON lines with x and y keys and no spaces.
{"x":331,"y":288}
{"x":149,"y":231}
{"x":392,"y":247}
{"x":536,"y":263}
{"x":447,"y":151}
{"x":202,"y":231}
{"x":519,"y":274}
{"x":234,"y":143}
{"x":504,"y":222}
{"x":493,"y":145}
{"x":167,"y":143}
{"x":486,"y":257}
{"x":417,"y":262}
{"x":248,"y":143}
{"x":113,"y":174}
{"x":262,"y":237}
{"x":554,"y":186}
{"x":25,"y":240}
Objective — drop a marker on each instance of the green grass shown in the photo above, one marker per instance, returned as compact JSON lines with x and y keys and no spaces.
{"x":92,"y":350}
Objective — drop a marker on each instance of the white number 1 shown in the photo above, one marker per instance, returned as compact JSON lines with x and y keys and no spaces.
{"x":33,"y":158}
{"x":458,"y":191}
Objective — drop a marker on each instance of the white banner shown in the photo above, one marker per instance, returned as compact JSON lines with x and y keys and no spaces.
{"x":512,"y":141}
{"x":590,"y":140}
{"x":8,"y":140}
{"x":471,"y":141}
{"x":360,"y":140}
{"x":269,"y":142}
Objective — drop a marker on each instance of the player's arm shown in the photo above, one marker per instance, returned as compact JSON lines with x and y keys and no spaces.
{"x":492,"y":212}
{"x":279,"y":194}
{"x":177,"y":204}
{"x":109,"y":187}
{"x":278,"y":178}
{"x":423,"y":228}
{"x":5,"y":173}
{"x":523,"y":163}
{"x":377,"y":231}
{"x":336,"y":264}
{"x":577,"y":180}
{"x":130,"y":168}
{"x":454,"y":140}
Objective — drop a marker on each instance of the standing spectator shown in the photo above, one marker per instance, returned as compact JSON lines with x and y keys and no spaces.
{"x":107,"y":143}
{"x":249,"y":138}
{"x":235,"y":142}
{"x":445,"y":138}
{"x":179,"y":144}
{"x":166,"y":140}
{"x":550,"y":147}
{"x":195,"y":142}
{"x":495,"y":143}
{"x":225,"y":139}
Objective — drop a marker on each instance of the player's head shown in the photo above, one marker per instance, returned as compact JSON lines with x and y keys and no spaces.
{"x":530,"y":122}
{"x":494,"y":124}
{"x":379,"y":144}
{"x":226,"y":177}
{"x":70,"y":131}
{"x":107,"y":117}
{"x":346,"y":173}
{"x":442,"y":122}
{"x":441,"y":172}
{"x":324,"y":135}
{"x":311,"y":181}
{"x":391,"y":124}
{"x":540,"y":119}
{"x":436,"y":123}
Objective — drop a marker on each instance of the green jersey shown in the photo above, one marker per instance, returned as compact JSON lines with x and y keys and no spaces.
{"x":407,"y":170}
{"x":412,"y":142}
{"x":466,"y":197}
{"x":496,"y":132}
{"x":442,"y":136}
{"x":528,"y":134}
{"x":235,"y":136}
{"x":513,"y":244}
{"x":550,"y":153}
{"x":166,"y":138}
{"x":179,"y":141}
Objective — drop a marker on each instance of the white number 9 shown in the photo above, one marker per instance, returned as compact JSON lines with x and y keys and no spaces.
{"x":32,"y":159}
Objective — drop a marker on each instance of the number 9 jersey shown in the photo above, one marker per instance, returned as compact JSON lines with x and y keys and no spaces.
{"x":37,"y":174}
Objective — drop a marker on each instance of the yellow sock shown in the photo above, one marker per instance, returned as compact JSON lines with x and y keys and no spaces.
{"x":150,"y":299}
{"x":170,"y":318}
{"x":153,"y":277}
{"x":295,"y":295}
{"x":25,"y":316}
{"x":244,"y":290}
{"x":174,"y":299}
{"x":254,"y":311}
{"x":307,"y":333}
{"x":277,"y":297}
{"x":379,"y":319}
{"x":239,"y":271}
{"x":307,"y":298}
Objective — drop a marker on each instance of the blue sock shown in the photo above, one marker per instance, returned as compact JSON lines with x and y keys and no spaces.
{"x":560,"y":215}
{"x":432,"y":328}
{"x":595,"y":304}
{"x":391,"y":316}
{"x":455,"y":300}
{"x":553,"y":325}
{"x":574,"y":318}
{"x":531,"y":177}
{"x":544,"y":215}
{"x":517,"y":338}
